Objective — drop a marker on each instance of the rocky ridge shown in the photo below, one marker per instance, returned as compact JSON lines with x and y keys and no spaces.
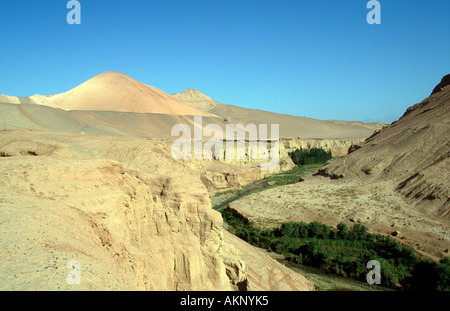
{"x":412,"y":153}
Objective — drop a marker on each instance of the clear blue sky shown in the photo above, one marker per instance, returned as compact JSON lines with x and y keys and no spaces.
{"x":318,"y":59}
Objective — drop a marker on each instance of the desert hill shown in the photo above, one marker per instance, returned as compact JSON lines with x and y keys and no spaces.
{"x":115,"y":104}
{"x":290,"y":126}
{"x":114,"y":91}
{"x":111,"y":91}
{"x":413,"y":151}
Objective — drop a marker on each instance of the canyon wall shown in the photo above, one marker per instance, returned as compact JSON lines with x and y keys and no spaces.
{"x":131,"y":216}
{"x":222,"y":173}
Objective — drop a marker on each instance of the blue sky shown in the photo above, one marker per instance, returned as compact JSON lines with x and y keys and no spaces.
{"x":318,"y":59}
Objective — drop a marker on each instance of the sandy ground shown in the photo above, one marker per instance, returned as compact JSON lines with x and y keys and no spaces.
{"x":377,"y":207}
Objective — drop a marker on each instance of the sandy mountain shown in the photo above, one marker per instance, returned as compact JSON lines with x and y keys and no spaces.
{"x":115,"y":104}
{"x":108,"y":104}
{"x":114,"y":91}
{"x":413,"y":153}
{"x":111,"y":91}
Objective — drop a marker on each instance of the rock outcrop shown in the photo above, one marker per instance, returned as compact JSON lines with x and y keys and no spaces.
{"x":444,"y":82}
{"x":338,"y":147}
{"x":196,"y":99}
{"x":222,"y":174}
{"x":124,"y":210}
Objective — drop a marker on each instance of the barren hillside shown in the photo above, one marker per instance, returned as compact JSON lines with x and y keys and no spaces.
{"x":290,"y":126}
{"x":126,"y":211}
{"x":412,"y":153}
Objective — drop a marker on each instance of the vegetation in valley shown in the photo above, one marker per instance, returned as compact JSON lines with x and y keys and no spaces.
{"x":346,"y":251}
{"x":310,"y":156}
{"x":307,"y":161}
{"x":342,"y":250}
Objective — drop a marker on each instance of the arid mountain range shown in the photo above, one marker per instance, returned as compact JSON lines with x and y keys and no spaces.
{"x":115,"y":104}
{"x":88,"y":175}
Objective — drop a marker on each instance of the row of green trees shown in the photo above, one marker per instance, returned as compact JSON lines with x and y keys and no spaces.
{"x":319,"y":230}
{"x":310,"y":156}
{"x":345,"y":251}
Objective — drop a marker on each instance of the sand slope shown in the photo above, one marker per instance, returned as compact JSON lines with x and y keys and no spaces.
{"x":412,"y":153}
{"x":290,"y":126}
{"x":113,"y":123}
{"x":114,"y":91}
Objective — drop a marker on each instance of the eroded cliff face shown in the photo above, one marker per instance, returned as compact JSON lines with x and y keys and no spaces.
{"x":217,"y":175}
{"x":125,"y":210}
{"x":124,"y":235}
{"x":220,"y":174}
{"x":338,"y":147}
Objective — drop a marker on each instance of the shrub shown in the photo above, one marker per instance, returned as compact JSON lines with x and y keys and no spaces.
{"x":342,"y":231}
{"x":314,"y":229}
{"x":310,"y":156}
{"x":346,"y":252}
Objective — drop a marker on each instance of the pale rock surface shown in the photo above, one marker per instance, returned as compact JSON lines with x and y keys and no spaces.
{"x":132,"y":216}
{"x":196,"y":99}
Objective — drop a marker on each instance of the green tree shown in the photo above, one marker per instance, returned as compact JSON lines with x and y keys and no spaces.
{"x":314,"y":229}
{"x":302,"y":230}
{"x":326,"y":231}
{"x":287,"y":229}
{"x":358,"y":232}
{"x":310,"y":156}
{"x":315,"y":254}
{"x":342,"y":231}
{"x":333,"y":235}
